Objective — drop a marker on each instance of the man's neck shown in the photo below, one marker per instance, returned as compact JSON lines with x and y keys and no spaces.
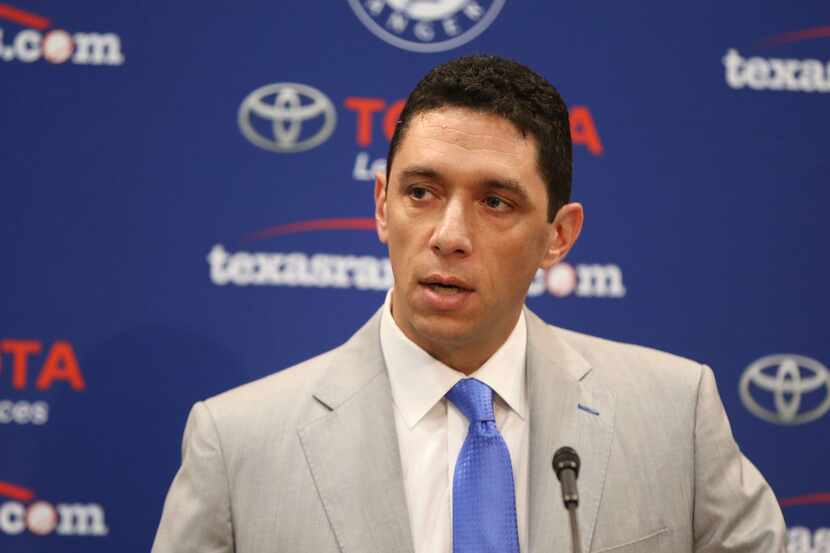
{"x":463,"y":360}
{"x":464,"y":356}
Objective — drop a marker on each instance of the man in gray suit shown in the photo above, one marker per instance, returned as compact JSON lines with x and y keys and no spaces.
{"x":362,"y":449}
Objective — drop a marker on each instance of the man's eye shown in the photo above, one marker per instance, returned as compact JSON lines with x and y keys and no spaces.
{"x":418,"y":192}
{"x":494,"y":202}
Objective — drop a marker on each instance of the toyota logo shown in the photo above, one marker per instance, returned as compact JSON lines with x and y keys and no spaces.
{"x":786,"y":380}
{"x":287,"y":117}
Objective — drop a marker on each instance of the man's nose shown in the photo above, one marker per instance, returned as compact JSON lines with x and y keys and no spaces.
{"x":452,"y":234}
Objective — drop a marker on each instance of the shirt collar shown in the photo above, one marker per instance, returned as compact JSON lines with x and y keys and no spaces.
{"x":419,"y":381}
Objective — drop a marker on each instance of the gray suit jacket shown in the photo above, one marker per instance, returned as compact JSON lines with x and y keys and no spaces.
{"x":306,"y":460}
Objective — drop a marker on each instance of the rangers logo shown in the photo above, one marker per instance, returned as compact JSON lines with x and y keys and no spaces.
{"x":427,"y":25}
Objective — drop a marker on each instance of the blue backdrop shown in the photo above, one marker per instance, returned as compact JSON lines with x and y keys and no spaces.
{"x":186,"y":204}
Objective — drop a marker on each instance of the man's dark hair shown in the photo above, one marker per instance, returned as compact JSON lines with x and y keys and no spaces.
{"x":490,"y":84}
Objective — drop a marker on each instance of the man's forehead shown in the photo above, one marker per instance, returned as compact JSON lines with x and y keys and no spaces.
{"x":471,"y":130}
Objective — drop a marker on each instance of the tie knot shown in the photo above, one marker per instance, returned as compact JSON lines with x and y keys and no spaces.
{"x":474,"y":398}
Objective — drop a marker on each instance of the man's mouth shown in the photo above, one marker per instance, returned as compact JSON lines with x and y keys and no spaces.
{"x":446,"y":286}
{"x":443,"y":289}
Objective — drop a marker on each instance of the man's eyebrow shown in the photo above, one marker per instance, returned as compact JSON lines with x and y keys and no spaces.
{"x":420,"y":171}
{"x":508,"y":185}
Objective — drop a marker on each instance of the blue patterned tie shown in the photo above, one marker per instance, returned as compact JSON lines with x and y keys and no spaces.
{"x":483,"y":497}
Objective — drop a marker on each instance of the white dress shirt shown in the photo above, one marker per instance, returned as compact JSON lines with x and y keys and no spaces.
{"x":431,"y":430}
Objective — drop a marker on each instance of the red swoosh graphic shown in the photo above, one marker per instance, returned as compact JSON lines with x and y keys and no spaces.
{"x":809,"y":499}
{"x":366,"y":223}
{"x":16,"y":492}
{"x":797,"y":36}
{"x":27,"y":19}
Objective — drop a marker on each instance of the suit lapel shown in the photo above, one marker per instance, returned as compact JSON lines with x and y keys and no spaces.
{"x":566,"y":408}
{"x":353,"y":453}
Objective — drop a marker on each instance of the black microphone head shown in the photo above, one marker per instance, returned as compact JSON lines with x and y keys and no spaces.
{"x":565,"y":458}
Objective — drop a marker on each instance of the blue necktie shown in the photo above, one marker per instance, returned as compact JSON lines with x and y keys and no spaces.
{"x":483,"y":496}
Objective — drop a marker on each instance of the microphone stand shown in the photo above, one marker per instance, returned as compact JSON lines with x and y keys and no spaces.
{"x":576,"y":539}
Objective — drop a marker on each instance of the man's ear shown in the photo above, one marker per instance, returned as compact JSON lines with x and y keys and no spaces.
{"x":564,"y":230}
{"x":380,"y":205}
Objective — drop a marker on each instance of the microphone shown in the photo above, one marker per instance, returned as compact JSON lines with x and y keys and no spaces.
{"x":566,"y":467}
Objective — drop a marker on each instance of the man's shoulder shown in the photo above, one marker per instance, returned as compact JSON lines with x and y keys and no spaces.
{"x":287,"y":393}
{"x":624,"y":364}
{"x":298,"y":393}
{"x":649,"y":388}
{"x":603,"y":351}
{"x":289,"y":381}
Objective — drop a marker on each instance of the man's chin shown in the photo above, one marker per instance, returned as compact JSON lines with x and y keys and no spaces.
{"x":443,"y":330}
